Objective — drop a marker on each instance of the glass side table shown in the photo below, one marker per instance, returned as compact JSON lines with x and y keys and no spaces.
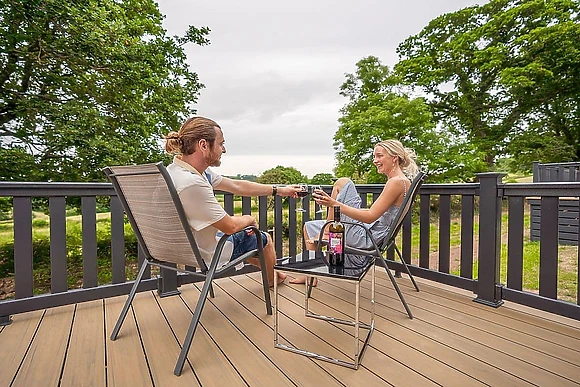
{"x":314,"y":264}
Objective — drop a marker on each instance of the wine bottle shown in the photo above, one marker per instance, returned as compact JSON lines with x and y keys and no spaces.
{"x":336,"y":240}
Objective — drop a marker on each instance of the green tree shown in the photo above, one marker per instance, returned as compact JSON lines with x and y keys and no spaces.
{"x":322,"y":179}
{"x":499,"y":73}
{"x":88,"y":83}
{"x":377,"y":110}
{"x":282,"y":175}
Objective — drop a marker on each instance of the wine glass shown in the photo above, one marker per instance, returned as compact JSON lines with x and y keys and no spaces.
{"x":314,"y":188}
{"x":302,"y":194}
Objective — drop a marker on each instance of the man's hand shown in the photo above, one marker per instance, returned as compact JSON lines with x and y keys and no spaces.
{"x":289,"y":190}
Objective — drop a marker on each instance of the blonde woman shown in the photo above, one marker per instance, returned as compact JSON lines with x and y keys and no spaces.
{"x":391,"y":159}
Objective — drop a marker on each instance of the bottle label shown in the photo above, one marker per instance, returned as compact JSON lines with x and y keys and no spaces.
{"x":335,"y":240}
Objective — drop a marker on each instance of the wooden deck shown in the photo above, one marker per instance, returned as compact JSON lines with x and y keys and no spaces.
{"x":451,"y":342}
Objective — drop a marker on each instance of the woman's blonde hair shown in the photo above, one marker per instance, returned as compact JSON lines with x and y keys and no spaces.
{"x":406,"y":156}
{"x":194,"y":129}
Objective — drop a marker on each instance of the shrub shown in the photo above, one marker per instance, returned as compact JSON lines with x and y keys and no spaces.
{"x":40,"y":223}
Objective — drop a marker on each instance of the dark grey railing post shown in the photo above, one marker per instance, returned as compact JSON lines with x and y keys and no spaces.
{"x":536,"y":171}
{"x":489,"y":239}
{"x":167,"y":282}
{"x":5,"y":320}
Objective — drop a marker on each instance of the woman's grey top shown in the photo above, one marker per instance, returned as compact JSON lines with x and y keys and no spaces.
{"x":356,"y":236}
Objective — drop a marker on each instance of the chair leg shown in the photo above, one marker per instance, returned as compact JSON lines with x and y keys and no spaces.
{"x":394,"y":282}
{"x":195,"y":319}
{"x":407,"y":268}
{"x":129,"y":301}
{"x":265,"y":282}
{"x":211,"y":293}
{"x":310,"y":286}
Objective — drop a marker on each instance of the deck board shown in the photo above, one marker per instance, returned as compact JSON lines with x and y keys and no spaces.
{"x":439,"y":362}
{"x":385,"y":350}
{"x":452,"y":341}
{"x":86,"y":352}
{"x":44,"y":359}
{"x":212,"y":368}
{"x":300,"y":369}
{"x":315,"y":335}
{"x":17,"y":338}
{"x":260,"y":371}
{"x":159,"y":344}
{"x":536,"y":368}
{"x":126,"y":362}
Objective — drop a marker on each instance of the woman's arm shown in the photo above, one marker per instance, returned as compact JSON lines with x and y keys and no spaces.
{"x":392,"y":190}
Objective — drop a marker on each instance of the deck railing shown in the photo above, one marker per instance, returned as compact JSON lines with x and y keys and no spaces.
{"x":479,"y":208}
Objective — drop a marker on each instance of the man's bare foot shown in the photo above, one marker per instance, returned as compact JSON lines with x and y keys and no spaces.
{"x":301,"y":280}
{"x":280,"y":279}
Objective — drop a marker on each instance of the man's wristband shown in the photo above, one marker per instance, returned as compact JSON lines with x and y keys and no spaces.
{"x":274,"y":190}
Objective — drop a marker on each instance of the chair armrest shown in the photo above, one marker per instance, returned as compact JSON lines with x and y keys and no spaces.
{"x":222,"y":241}
{"x":370,"y":235}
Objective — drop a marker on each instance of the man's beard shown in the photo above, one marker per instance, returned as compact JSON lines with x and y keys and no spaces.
{"x":213,"y":159}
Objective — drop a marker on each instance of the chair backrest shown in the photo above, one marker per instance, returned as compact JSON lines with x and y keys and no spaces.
{"x":155,"y":213}
{"x":417,"y":182}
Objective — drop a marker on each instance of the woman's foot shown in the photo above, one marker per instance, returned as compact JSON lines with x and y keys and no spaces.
{"x":301,"y":280}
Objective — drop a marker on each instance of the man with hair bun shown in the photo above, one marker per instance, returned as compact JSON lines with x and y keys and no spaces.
{"x":198,"y":145}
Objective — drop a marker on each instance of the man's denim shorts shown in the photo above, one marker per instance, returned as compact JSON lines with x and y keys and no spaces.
{"x":244,"y":242}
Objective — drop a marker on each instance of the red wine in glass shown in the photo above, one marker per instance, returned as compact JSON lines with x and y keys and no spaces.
{"x":302,"y":194}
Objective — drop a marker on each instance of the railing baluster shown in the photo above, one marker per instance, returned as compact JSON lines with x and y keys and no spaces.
{"x":425,"y":230}
{"x":363,"y":198}
{"x":278,"y":225}
{"x":89,"y":225}
{"x":23,"y":282}
{"x":229,"y":203}
{"x":444,"y":232}
{"x":246,"y":205}
{"x":140,"y":259}
{"x":549,"y":247}
{"x":58,"y":272}
{"x":515,"y":242}
{"x":263,"y":213}
{"x":291,"y":227}
{"x":467,"y":213}
{"x":406,"y":245}
{"x":117,"y":241}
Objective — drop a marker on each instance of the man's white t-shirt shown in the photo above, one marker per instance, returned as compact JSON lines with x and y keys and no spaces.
{"x":201,"y":206}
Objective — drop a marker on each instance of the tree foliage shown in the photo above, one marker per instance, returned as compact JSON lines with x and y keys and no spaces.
{"x":322,"y":179}
{"x":86,"y":83}
{"x":504,"y":76}
{"x":282,"y":175}
{"x":377,"y":110}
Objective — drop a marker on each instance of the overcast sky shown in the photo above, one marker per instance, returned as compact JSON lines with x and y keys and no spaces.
{"x":273,"y":69}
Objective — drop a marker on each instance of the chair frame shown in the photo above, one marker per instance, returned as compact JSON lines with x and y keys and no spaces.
{"x":379,"y":249}
{"x":207,"y":273}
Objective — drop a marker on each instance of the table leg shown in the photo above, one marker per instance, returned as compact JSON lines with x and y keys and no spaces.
{"x":275,"y":308}
{"x":356,"y":324}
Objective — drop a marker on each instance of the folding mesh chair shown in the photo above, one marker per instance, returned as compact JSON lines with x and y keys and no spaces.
{"x":380,"y":247}
{"x":160,"y":225}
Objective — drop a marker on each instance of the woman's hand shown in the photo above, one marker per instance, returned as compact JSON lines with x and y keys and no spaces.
{"x":323,"y":199}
